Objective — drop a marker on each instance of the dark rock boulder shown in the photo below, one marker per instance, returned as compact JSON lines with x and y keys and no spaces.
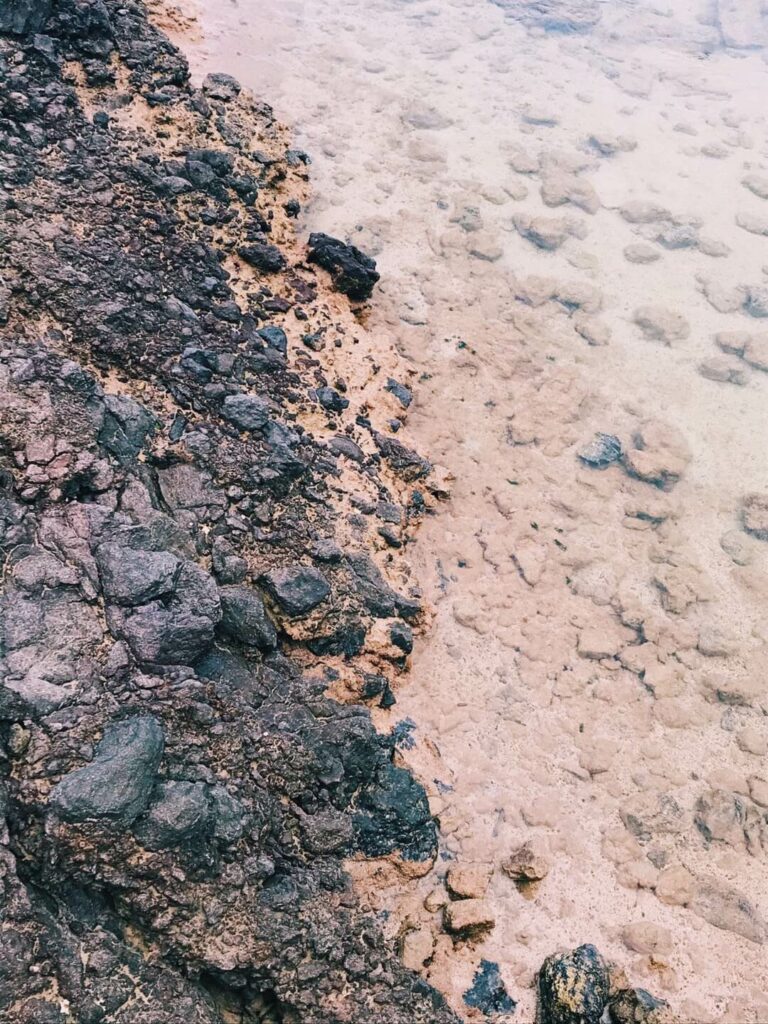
{"x":130,"y":577}
{"x":179,"y":812}
{"x":353,"y":273}
{"x":573,"y":987}
{"x":263,"y":256}
{"x":117,"y":784}
{"x":392,"y":814}
{"x":297,"y":590}
{"x":175,"y":631}
{"x":248,"y":412}
{"x":19,"y":17}
{"x":488,"y":993}
{"x":245,"y":619}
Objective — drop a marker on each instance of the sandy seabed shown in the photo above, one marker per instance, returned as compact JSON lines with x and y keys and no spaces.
{"x":572,"y":230}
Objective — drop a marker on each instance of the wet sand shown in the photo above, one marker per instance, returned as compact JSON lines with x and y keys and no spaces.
{"x":566,"y":225}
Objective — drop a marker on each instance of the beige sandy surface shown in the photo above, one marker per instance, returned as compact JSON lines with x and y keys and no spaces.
{"x":596,"y":678}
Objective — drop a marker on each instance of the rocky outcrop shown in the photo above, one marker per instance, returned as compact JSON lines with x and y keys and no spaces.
{"x":178,"y":592}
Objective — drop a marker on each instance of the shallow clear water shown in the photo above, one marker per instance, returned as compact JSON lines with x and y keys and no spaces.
{"x":586,"y":620}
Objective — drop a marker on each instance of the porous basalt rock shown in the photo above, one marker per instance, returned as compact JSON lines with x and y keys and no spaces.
{"x":179,"y":810}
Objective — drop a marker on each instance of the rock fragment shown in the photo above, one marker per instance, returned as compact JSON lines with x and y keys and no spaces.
{"x":529,"y":862}
{"x":754,"y":515}
{"x":353,"y":273}
{"x":244,"y":618}
{"x":297,"y":590}
{"x":467,"y":918}
{"x":118,"y":783}
{"x":488,"y":993}
{"x":602,"y":451}
{"x":573,"y":987}
{"x":661,"y":324}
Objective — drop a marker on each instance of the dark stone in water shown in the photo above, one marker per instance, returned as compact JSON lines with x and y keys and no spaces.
{"x":573,"y":987}
{"x":488,"y":992}
{"x":602,"y":451}
{"x":636,"y":1006}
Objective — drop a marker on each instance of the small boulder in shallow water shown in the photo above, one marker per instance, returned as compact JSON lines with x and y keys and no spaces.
{"x":573,"y":987}
{"x":636,"y":1006}
{"x":754,"y":515}
{"x":488,"y":993}
{"x":602,"y":451}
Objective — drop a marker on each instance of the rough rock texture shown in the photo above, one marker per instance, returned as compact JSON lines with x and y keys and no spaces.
{"x":573,"y":987}
{"x":179,"y":787}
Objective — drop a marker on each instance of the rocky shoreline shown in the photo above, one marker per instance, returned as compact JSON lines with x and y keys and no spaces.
{"x":182,"y":580}
{"x":205,"y":504}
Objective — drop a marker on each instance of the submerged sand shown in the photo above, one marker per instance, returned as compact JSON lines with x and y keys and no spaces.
{"x":570,"y":229}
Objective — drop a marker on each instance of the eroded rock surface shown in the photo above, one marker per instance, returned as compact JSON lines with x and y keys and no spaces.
{"x":178,"y":786}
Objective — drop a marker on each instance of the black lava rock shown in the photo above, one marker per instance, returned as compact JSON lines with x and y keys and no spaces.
{"x":118,"y":782}
{"x":331,"y":400}
{"x":244,"y":618}
{"x":353,"y":273}
{"x":573,"y":987}
{"x":248,"y":412}
{"x":488,"y":992}
{"x":602,"y":451}
{"x":263,"y":256}
{"x":297,"y":590}
{"x":392,"y":814}
{"x":180,"y":811}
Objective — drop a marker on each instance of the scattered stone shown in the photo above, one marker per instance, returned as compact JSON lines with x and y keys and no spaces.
{"x":731,"y":911}
{"x":713,"y":247}
{"x":647,"y":938}
{"x":724,"y":370}
{"x":117,"y":784}
{"x":488,"y":993}
{"x":468,"y":881}
{"x":468,"y":918}
{"x":659,"y":454}
{"x":636,"y":1006}
{"x":297,"y":590}
{"x":602,"y":451}
{"x":263,"y":256}
{"x":756,"y":301}
{"x":133,"y":577}
{"x":417,"y":947}
{"x":675,"y":885}
{"x":221,"y":87}
{"x":678,"y":236}
{"x":573,"y":987}
{"x":757,"y":183}
{"x":640,"y":212}
{"x":529,"y":862}
{"x":756,"y":352}
{"x":181,"y":811}
{"x":247,"y":412}
{"x":641,"y":252}
{"x":353,"y":273}
{"x":545,"y":232}
{"x":755,"y":223}
{"x":594,"y":331}
{"x":558,"y":188}
{"x":609,"y":145}
{"x":754,"y":515}
{"x":660,"y":324}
